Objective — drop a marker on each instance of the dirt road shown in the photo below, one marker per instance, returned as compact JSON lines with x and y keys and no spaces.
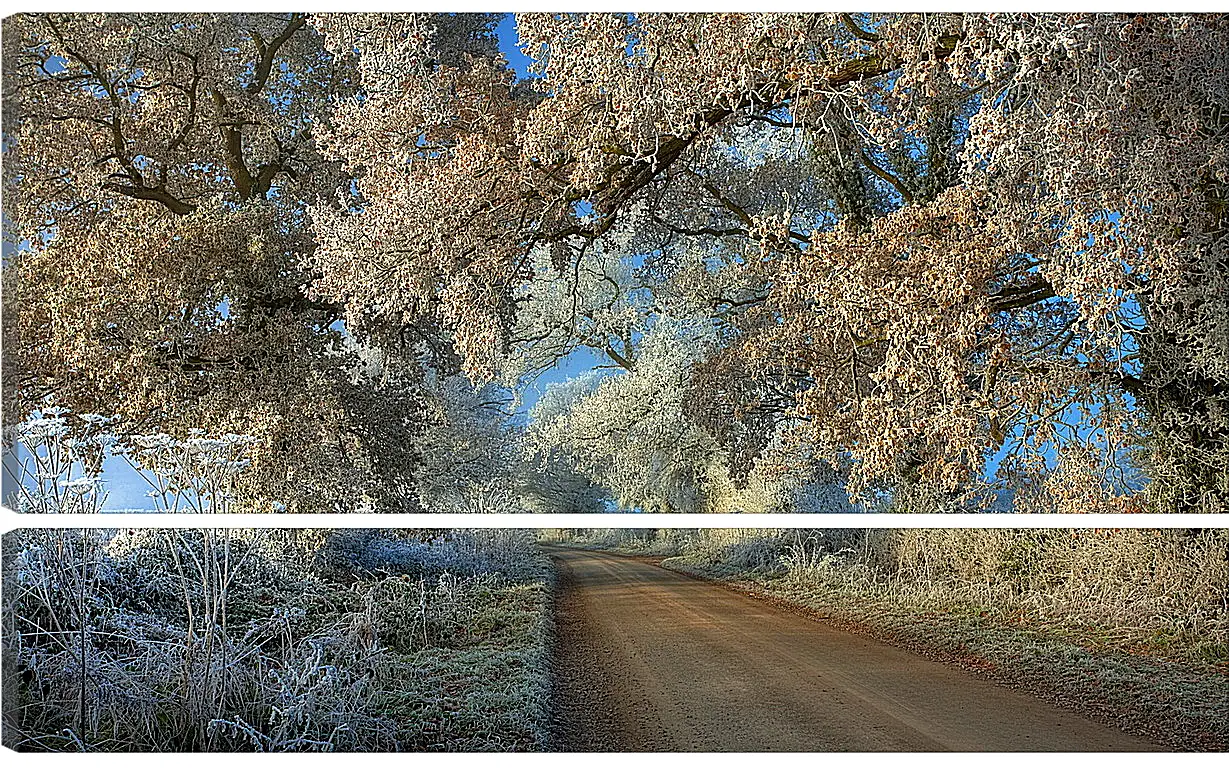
{"x":653,"y":660}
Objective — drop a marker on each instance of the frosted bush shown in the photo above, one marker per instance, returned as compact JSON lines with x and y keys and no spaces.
{"x":468,"y":551}
{"x":193,"y":475}
{"x":1145,"y":584}
{"x":751,"y":549}
{"x":57,"y":467}
{"x":238,"y":640}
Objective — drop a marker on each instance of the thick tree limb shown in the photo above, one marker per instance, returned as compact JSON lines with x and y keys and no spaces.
{"x":623,"y":362}
{"x":1021,"y":296}
{"x":856,"y":30}
{"x":232,"y":139}
{"x":896,"y":183}
{"x":268,"y":51}
{"x":157,"y":194}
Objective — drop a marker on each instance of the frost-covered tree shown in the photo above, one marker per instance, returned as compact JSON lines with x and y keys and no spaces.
{"x":629,"y":433}
{"x":158,"y":172}
{"x":467,"y":447}
{"x":971,"y":234}
{"x":592,"y":299}
{"x":920,"y":241}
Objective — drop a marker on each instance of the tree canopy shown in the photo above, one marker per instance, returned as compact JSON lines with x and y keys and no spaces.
{"x":918,"y":256}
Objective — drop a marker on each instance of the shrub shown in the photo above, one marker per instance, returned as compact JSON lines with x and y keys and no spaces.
{"x":263,"y":640}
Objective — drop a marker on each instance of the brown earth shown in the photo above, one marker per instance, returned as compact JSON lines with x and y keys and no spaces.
{"x":653,"y":660}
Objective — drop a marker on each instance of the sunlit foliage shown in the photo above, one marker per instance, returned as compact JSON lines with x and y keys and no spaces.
{"x":934,"y":252}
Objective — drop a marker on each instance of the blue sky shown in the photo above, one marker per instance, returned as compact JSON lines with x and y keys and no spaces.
{"x":506,"y":31}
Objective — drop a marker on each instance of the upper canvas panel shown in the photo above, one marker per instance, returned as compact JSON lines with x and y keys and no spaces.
{"x":586,"y":262}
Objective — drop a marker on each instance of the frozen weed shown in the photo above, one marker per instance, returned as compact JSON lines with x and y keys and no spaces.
{"x":240,"y":640}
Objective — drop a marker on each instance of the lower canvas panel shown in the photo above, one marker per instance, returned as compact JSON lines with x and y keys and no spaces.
{"x":616,"y":640}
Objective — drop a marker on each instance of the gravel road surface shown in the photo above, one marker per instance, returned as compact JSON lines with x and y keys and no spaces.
{"x":654,"y":660}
